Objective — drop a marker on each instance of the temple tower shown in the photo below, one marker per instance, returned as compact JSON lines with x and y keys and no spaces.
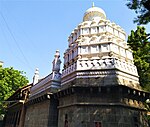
{"x":97,"y":49}
{"x":100,"y":83}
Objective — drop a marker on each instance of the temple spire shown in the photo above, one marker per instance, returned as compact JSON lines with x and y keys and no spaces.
{"x":36,"y":76}
{"x":1,"y":63}
{"x":56,"y":62}
{"x":92,"y":4}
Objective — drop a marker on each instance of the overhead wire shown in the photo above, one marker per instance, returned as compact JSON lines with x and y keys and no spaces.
{"x":29,"y":39}
{"x":7,"y":42}
{"x":19,"y":26}
{"x":18,"y":46}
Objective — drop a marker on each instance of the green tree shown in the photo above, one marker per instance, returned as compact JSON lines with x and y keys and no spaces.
{"x":10,"y":81}
{"x":139,"y":42}
{"x":142,"y":9}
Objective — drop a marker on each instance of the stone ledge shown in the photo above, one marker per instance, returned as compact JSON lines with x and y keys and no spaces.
{"x":100,"y":104}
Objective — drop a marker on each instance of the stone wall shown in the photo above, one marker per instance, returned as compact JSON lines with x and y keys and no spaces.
{"x":107,"y":116}
{"x":53,"y":113}
{"x":87,"y":106}
{"x":37,"y":115}
{"x":42,"y":111}
{"x":102,"y":78}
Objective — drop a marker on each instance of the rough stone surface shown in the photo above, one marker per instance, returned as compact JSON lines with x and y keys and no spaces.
{"x":37,"y":115}
{"x":109,"y":116}
{"x":84,"y":108}
{"x":100,"y":81}
{"x":43,"y":114}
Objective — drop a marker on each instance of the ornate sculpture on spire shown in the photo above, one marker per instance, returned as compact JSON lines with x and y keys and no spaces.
{"x":56,"y":62}
{"x":92,"y":4}
{"x":56,"y":75}
{"x":36,"y":76}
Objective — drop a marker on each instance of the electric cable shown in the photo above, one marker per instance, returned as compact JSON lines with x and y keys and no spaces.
{"x":15,"y":41}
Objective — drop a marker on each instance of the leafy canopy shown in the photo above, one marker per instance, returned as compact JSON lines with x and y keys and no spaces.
{"x":10,"y":81}
{"x":142,"y":8}
{"x":139,"y":42}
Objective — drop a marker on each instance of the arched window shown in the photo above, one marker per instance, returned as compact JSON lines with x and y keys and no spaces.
{"x":68,"y":58}
{"x":72,"y":54}
{"x":93,"y":23}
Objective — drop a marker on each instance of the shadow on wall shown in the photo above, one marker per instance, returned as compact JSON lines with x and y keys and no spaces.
{"x":2,"y":120}
{"x":1,"y":123}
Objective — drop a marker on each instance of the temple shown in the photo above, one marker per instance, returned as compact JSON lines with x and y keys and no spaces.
{"x":99,"y":84}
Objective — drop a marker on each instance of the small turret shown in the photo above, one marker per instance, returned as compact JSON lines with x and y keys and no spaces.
{"x":36,"y":76}
{"x":56,"y":62}
{"x":1,"y":63}
{"x":56,"y":75}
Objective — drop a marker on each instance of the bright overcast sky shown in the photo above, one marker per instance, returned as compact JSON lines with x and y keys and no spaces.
{"x":32,"y":30}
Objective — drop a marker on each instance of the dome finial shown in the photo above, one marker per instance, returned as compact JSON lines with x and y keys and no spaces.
{"x":94,"y":12}
{"x":92,"y":4}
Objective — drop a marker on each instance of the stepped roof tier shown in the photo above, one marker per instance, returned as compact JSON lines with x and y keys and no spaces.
{"x":97,"y":48}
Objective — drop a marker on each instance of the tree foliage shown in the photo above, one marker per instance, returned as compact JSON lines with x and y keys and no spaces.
{"x":10,"y":81}
{"x":139,"y":42}
{"x":142,"y":8}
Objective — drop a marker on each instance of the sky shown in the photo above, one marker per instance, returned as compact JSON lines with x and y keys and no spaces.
{"x":32,"y":30}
